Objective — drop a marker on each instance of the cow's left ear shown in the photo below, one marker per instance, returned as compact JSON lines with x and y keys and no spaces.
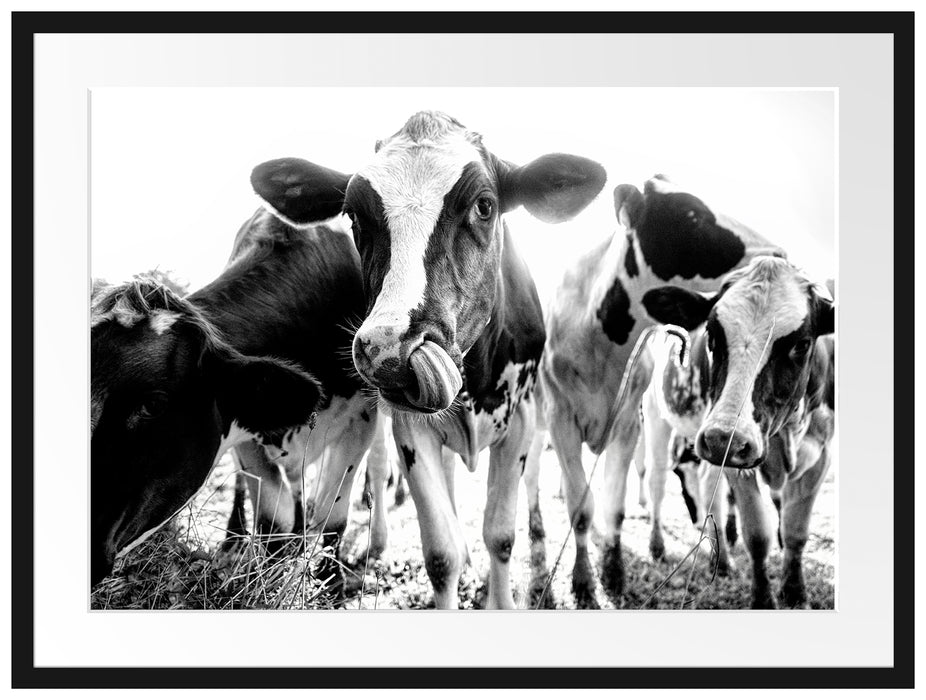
{"x":824,"y":321}
{"x":554,"y":188}
{"x":262,"y":394}
{"x":678,"y":306}
{"x":299,"y":191}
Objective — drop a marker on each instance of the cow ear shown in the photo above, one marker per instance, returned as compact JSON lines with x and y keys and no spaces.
{"x":678,"y":306}
{"x":825,"y":316}
{"x":299,"y":191}
{"x":263,"y":394}
{"x":554,"y":188}
{"x":628,"y":205}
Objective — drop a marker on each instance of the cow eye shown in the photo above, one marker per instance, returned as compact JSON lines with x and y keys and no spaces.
{"x":484,"y":208}
{"x":801,"y":347}
{"x":152,"y":406}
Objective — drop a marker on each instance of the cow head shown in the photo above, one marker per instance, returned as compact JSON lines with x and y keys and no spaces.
{"x":681,"y":237}
{"x":762,"y":327}
{"x":427,"y":220}
{"x":168,"y":397}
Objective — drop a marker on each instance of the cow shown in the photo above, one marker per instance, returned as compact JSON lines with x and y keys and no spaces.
{"x":255,"y":360}
{"x":674,"y":406}
{"x":596,"y":316}
{"x":454,"y":331}
{"x":772,"y":391}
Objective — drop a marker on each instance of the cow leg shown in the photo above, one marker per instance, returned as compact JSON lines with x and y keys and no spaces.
{"x":237,"y":522}
{"x":507,"y":460}
{"x":448,"y":466}
{"x":331,"y":505}
{"x":716,"y":503}
{"x":639,"y":462}
{"x":375,"y":491}
{"x":536,"y":533}
{"x":272,"y":500}
{"x":442,"y":542}
{"x":657,"y":436}
{"x":617,"y":463}
{"x":797,"y":504}
{"x":757,"y":532}
{"x":731,"y":528}
{"x":567,"y":442}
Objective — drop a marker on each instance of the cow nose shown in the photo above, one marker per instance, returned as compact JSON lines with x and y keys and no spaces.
{"x":712,"y":446}
{"x":378,"y":357}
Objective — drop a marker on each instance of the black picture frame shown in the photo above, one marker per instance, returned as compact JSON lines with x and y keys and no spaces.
{"x":25,"y":25}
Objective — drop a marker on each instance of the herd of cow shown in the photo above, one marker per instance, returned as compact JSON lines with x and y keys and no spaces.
{"x":427,"y":313}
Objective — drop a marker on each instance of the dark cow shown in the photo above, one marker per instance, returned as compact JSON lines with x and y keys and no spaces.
{"x":245,"y":361}
{"x":772,"y":393}
{"x":595,"y":318}
{"x":454,"y":330}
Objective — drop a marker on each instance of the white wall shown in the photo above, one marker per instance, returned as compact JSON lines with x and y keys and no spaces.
{"x":170,"y":167}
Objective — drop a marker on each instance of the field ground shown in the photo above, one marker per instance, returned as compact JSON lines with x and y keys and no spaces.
{"x":185,"y":568}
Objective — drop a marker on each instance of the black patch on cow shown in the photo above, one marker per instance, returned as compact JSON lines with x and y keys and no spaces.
{"x":440,"y":569}
{"x":523,"y":461}
{"x":614,"y":313}
{"x":686,"y":495}
{"x":679,"y":237}
{"x":365,"y":416}
{"x":630,"y":259}
{"x":408,"y":453}
{"x":501,"y":547}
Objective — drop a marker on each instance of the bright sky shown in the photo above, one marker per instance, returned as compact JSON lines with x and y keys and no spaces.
{"x":170,"y":167}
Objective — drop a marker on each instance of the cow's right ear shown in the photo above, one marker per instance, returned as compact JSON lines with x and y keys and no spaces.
{"x":678,"y":306}
{"x":628,"y":205}
{"x":262,"y":394}
{"x":299,"y":191}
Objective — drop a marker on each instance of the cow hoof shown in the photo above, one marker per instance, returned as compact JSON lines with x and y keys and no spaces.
{"x":583,"y":584}
{"x":657,"y":547}
{"x":540,"y":595}
{"x":725,"y":567}
{"x":794,"y":596}
{"x":764,"y":601}
{"x":585,"y":598}
{"x":612,"y":570}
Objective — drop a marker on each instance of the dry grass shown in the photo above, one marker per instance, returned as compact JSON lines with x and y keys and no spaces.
{"x":186,"y":567}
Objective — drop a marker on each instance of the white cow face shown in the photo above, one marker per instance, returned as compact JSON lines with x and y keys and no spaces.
{"x":762,"y":329}
{"x":427,"y":213}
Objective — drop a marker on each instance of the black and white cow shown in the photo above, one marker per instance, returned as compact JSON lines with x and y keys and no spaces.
{"x":244,"y":362}
{"x":594,"y":320}
{"x":454,"y":330}
{"x":674,"y":407}
{"x":772,"y":393}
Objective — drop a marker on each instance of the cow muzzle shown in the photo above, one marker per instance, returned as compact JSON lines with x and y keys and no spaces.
{"x":728,"y":447}
{"x":420,"y":377}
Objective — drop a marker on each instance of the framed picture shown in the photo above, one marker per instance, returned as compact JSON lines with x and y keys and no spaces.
{"x":580,"y":182}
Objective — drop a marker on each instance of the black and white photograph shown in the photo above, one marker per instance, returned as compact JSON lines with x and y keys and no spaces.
{"x":462,"y":349}
{"x":470,"y":349}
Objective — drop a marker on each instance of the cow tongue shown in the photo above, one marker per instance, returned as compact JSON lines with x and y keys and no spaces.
{"x":439,"y":380}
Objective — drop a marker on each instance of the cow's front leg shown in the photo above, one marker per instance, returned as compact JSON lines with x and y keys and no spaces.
{"x":567,"y":442}
{"x":442,"y":543}
{"x":375,"y":489}
{"x":540,"y":594}
{"x":714,"y":499}
{"x":272,"y":500}
{"x":616,"y":465}
{"x":757,"y":531}
{"x":796,"y":508}
{"x":507,"y":461}
{"x":331,"y":505}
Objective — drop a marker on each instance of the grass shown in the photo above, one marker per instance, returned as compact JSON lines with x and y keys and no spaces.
{"x":188,"y":565}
